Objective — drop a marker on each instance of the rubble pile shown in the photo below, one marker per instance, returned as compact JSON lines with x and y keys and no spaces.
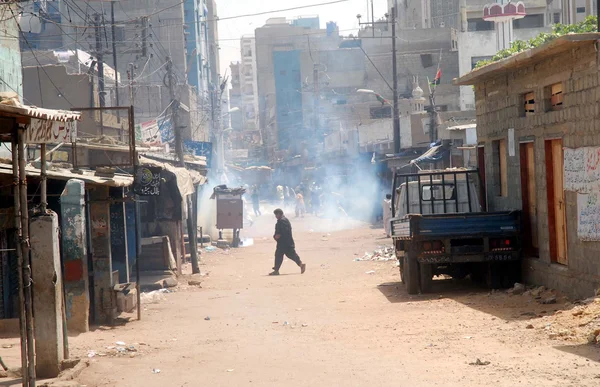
{"x":381,"y":254}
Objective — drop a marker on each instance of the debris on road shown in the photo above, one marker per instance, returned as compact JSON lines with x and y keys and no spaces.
{"x":478,"y":362}
{"x":155,"y":371}
{"x":153,"y":297}
{"x":210,"y":249}
{"x":381,"y":254}
{"x":549,"y":300}
{"x":370,"y":272}
{"x":230,"y":370}
{"x":207,"y":318}
{"x":517,"y":289}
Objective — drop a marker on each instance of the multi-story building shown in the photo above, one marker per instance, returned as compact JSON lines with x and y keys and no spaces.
{"x":477,"y":38}
{"x":144,"y":38}
{"x":280,"y":44}
{"x":248,"y":84}
{"x":235,"y":96}
{"x":11,"y":78}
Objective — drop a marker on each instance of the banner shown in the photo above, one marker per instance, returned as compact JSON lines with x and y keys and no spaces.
{"x":165,"y":127}
{"x":50,"y":132}
{"x":588,"y":217}
{"x":147,"y":181}
{"x":582,"y":169}
{"x":199,"y":148}
{"x":149,"y":133}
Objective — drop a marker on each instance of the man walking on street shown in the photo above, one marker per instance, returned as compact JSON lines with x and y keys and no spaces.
{"x":285,"y":243}
{"x":387,"y":214}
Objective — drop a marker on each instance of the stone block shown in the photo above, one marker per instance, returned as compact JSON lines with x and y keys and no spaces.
{"x":126,"y":302}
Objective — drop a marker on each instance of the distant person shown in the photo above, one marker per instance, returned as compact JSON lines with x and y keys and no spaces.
{"x":387,"y":214}
{"x":300,"y":207}
{"x":285,"y":243}
{"x":256,"y":201}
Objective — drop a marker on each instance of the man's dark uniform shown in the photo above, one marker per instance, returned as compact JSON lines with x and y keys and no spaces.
{"x":285,"y":243}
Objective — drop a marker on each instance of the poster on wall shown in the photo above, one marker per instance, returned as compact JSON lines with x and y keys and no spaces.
{"x":588,"y":216}
{"x":582,"y":169}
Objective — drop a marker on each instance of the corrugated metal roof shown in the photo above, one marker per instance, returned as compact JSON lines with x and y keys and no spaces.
{"x":14,"y":108}
{"x":90,"y":177}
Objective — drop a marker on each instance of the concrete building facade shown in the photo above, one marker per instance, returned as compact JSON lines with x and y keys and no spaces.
{"x":538,"y":131}
{"x":11,"y":79}
{"x":248,"y":84}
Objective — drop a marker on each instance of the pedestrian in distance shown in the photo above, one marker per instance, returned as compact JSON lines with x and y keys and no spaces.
{"x":256,"y":201}
{"x":285,"y":243}
{"x":300,"y":207}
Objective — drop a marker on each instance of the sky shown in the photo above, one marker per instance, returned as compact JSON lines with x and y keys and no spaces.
{"x":230,"y":31}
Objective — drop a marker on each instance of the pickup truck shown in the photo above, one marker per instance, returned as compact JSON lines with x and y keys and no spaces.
{"x":438,"y":227}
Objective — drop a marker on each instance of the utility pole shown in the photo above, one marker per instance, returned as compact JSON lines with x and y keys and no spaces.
{"x":175,"y":113}
{"x":100,"y":58}
{"x":114,"y":55}
{"x":316,"y":90}
{"x":396,"y":110}
{"x":145,"y":36}
{"x":192,"y":230}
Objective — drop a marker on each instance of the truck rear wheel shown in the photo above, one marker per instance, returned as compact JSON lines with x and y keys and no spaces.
{"x":426,"y":276}
{"x":410,"y":275}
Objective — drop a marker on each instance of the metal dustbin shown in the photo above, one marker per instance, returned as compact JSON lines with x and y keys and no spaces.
{"x":230,"y":211}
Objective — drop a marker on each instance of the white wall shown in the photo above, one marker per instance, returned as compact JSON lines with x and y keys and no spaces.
{"x":482,"y":43}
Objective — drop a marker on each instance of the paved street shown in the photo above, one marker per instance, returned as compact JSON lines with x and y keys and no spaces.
{"x":335,"y":325}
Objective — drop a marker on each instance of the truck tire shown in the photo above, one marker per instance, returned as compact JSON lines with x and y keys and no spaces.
{"x":410,"y":276}
{"x":426,"y":276}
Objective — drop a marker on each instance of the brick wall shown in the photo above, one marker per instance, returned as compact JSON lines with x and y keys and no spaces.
{"x":499,"y":107}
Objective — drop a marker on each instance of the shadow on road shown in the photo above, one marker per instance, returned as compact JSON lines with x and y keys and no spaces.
{"x":496,"y":303}
{"x":589,"y":351}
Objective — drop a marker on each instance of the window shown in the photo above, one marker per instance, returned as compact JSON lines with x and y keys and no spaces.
{"x":436,"y":192}
{"x":500,"y":168}
{"x":477,"y":59}
{"x":580,"y":9}
{"x":528,"y":104}
{"x":556,"y":18}
{"x":479,"y":25}
{"x":554,"y":97}
{"x":381,"y":112}
{"x":529,"y":21}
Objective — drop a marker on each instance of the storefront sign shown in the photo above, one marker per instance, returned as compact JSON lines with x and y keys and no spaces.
{"x":147,"y":181}
{"x":50,"y":132}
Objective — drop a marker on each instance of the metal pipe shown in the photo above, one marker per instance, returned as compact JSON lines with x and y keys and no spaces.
{"x":407,"y":197}
{"x":468,"y":191}
{"x":396,"y":108}
{"x":17,"y":220}
{"x":44,"y":180}
{"x":455,"y":193}
{"x":444,"y":191}
{"x":138,"y":244}
{"x":432,"y":194}
{"x":420,"y":195}
{"x":26,"y":263}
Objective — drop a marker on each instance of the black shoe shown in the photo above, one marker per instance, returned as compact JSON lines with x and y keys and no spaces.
{"x":276,"y":272}
{"x":302,"y":268}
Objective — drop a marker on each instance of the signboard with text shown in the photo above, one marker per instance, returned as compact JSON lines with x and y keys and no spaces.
{"x":50,"y":132}
{"x":200,"y":148}
{"x":147,"y":181}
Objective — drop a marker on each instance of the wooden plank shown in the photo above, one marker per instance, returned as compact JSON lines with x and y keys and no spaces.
{"x":550,"y":196}
{"x":559,"y":203}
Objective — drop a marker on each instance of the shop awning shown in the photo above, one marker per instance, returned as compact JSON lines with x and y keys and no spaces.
{"x":89,"y":177}
{"x":186,"y":178}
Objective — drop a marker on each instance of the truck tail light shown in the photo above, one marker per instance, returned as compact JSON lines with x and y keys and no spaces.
{"x":433,"y":247}
{"x":501,"y":244}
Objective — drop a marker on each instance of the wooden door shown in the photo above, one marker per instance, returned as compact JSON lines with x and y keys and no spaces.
{"x":529,"y":199}
{"x":481,"y":167}
{"x":557,"y":216}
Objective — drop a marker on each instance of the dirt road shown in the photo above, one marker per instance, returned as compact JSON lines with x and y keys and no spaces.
{"x":335,"y":325}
